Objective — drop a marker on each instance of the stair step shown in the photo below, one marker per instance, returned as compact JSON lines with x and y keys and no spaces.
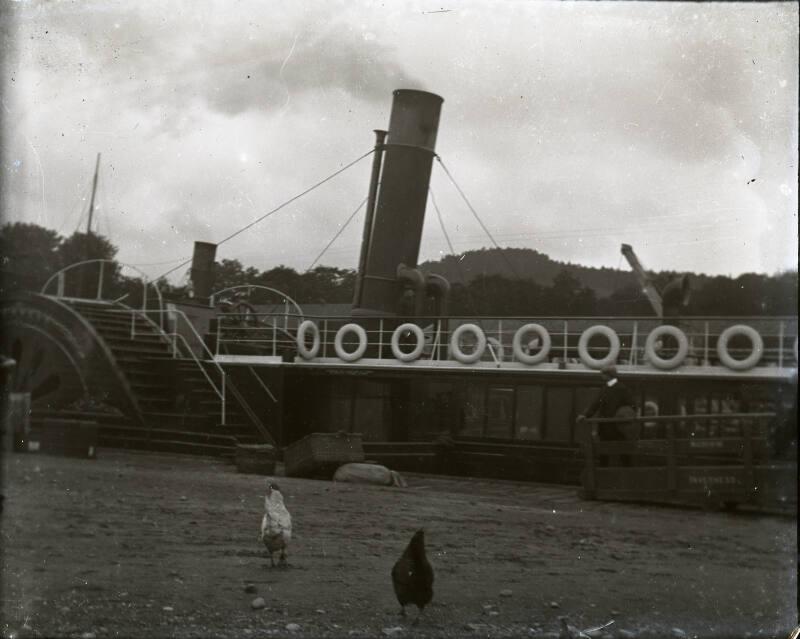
{"x":119,"y":337}
{"x":141,"y":348}
{"x":167,"y":446}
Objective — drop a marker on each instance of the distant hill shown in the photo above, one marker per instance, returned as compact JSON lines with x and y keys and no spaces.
{"x":527,"y":263}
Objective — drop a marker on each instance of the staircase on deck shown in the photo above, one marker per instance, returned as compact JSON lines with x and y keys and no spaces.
{"x":180,"y":410}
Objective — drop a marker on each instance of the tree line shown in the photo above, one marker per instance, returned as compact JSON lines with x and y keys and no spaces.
{"x":31,"y":254}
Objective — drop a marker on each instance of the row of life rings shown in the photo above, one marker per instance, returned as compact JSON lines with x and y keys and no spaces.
{"x":521,"y":354}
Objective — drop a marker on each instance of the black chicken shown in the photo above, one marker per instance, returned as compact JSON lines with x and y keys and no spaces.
{"x":412,"y":576}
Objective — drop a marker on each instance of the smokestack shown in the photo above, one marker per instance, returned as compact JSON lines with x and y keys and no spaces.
{"x":202,"y":273}
{"x":396,"y":224}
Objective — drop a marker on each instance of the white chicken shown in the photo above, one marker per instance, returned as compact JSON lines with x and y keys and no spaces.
{"x":276,"y":526}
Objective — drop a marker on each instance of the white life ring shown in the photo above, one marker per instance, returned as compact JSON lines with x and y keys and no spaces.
{"x":740,"y":364}
{"x":417,"y":351}
{"x":305,"y":352}
{"x":795,"y":351}
{"x":666,"y":363}
{"x":493,"y":345}
{"x":544,"y":337}
{"x":583,"y":346}
{"x":362,"y":342}
{"x":455,"y":347}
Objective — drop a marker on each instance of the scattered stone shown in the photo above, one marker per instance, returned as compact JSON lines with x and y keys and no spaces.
{"x":677,"y":633}
{"x":250,"y":588}
{"x":625,"y":634}
{"x":88,"y":635}
{"x":488,"y":606}
{"x":258,"y":603}
{"x":292,"y":627}
{"x":493,"y":613}
{"x":167,"y":609}
{"x":320,"y":611}
{"x":554,"y":604}
{"x":615,"y":613}
{"x":64,"y":609}
{"x":183,"y":498}
{"x":391,"y":632}
{"x":506,"y":593}
{"x":472,"y":627}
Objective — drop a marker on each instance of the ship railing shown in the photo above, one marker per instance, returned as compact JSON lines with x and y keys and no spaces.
{"x":76,"y":282}
{"x":582,"y":341}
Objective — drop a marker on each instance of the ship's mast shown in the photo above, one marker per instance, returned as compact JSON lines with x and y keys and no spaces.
{"x":94,"y":191}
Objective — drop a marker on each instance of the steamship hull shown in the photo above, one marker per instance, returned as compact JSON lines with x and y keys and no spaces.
{"x":427,"y":391}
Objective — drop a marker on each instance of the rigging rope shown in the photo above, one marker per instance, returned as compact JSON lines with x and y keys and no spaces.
{"x":160,"y":263}
{"x":477,"y":217}
{"x":464,"y":281}
{"x":338,"y":233}
{"x":278,"y":208}
{"x":441,"y":224}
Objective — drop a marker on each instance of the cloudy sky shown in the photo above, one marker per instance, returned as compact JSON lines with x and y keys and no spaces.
{"x":571,"y":127}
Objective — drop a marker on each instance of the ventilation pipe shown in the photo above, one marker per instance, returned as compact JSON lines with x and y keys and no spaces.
{"x":202,"y":272}
{"x":412,"y":279}
{"x":394,"y":230}
{"x":439,"y":288}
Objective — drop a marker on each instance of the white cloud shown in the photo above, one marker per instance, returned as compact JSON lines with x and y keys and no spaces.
{"x":571,"y":126}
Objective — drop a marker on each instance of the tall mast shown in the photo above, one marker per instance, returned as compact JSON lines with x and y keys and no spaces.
{"x":91,"y":201}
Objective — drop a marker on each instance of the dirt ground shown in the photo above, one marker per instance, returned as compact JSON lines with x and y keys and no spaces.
{"x":156,"y":545}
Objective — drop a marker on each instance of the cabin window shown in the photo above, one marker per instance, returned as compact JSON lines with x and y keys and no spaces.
{"x":432,"y":411}
{"x":650,"y":408}
{"x":372,"y":410}
{"x":583,"y":399}
{"x":529,"y":412}
{"x":700,"y":406}
{"x":559,"y":414}
{"x":474,"y":410}
{"x":341,"y":406}
{"x":500,"y":414}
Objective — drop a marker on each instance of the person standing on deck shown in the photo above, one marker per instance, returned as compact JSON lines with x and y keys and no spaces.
{"x":614,"y":400}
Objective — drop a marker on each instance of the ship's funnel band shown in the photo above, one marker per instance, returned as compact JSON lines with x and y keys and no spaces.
{"x":380,"y":278}
{"x":391,"y":145}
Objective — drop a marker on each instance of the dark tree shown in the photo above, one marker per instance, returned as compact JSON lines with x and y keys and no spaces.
{"x":29,"y":256}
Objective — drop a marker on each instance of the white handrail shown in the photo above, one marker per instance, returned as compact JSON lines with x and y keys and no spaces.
{"x":215,"y":294}
{"x":145,"y":281}
{"x":219,"y":393}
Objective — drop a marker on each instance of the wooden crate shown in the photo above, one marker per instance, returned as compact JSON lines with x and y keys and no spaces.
{"x":255,"y":459}
{"x":322,"y":453}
